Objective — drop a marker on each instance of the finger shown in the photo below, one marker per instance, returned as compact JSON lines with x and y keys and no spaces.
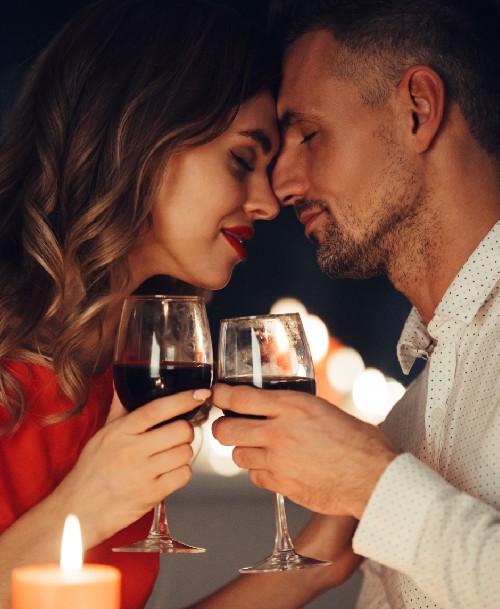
{"x":174,"y":480}
{"x":250,"y":458}
{"x":170,"y":460}
{"x":163,"y":409}
{"x":246,"y":400}
{"x":231,"y":431}
{"x":264,"y":479}
{"x":162,"y":439}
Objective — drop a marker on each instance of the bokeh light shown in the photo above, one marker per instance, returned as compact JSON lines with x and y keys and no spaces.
{"x":369,"y":394}
{"x":317,"y":336}
{"x":395,"y":391}
{"x":342,"y":368}
{"x":289,"y":305}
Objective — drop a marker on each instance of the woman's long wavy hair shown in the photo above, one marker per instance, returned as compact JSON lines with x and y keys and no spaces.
{"x":121,"y":87}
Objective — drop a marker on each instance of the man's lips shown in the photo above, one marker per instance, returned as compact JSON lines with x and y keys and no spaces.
{"x":237,"y":236}
{"x":308,"y":218}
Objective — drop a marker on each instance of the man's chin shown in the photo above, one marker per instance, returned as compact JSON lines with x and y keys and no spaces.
{"x":338,"y":266}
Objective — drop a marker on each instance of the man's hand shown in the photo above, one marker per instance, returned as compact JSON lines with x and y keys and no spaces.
{"x":306,"y":449}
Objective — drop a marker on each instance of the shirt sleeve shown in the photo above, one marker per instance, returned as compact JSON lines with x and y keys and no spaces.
{"x":372,"y":594}
{"x":447,"y":541}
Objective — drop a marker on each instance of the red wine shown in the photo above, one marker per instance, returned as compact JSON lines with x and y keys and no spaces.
{"x":307,"y":385}
{"x":138,"y":384}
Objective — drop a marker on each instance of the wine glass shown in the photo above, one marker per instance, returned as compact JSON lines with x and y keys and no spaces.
{"x":163,"y":347}
{"x":271,"y":352}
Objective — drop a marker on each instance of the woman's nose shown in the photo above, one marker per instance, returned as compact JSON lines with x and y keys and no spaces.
{"x":263,"y":205}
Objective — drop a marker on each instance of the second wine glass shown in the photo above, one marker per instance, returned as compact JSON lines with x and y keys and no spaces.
{"x":269,"y":352}
{"x":163,"y":347}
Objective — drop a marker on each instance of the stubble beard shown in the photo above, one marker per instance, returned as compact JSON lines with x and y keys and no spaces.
{"x":385,"y":240}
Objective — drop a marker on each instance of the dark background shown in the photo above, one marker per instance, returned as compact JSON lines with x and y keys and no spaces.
{"x":367,"y":315}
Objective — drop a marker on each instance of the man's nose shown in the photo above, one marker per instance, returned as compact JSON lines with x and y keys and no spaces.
{"x":289,"y":178}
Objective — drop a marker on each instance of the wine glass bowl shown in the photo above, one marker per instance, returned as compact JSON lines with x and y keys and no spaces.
{"x":163,"y":346}
{"x":269,"y":352}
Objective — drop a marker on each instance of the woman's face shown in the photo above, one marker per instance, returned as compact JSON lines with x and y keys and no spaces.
{"x":208,"y":201}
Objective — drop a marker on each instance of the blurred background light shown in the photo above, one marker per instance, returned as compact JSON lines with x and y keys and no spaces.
{"x":317,"y":336}
{"x":369,"y":395}
{"x":342,"y":368}
{"x":395,"y":391}
{"x":289,"y":305}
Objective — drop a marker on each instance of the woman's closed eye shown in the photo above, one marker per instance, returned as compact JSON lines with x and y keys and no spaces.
{"x":242,"y":162}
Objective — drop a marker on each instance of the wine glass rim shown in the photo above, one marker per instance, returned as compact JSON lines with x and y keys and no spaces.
{"x":266,"y":316}
{"x":167,"y":297}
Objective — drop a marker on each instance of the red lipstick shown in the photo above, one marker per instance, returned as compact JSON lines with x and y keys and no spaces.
{"x":237,"y":236}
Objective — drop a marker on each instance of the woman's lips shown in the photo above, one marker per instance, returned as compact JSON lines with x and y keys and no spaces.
{"x":237,"y":236}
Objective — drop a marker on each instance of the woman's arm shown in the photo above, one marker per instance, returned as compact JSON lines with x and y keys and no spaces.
{"x":324,"y":537}
{"x":120,"y":475}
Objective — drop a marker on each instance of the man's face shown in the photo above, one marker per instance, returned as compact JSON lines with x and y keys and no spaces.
{"x":343,"y":165}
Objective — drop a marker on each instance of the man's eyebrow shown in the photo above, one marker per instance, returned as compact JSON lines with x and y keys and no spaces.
{"x":260,"y":137}
{"x":292,"y":116}
{"x":286,"y":119}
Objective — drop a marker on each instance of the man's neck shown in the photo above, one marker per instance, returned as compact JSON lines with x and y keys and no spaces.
{"x":465,"y":206}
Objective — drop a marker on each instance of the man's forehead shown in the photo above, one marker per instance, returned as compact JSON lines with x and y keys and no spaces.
{"x":305,"y":67}
{"x":312,"y":52}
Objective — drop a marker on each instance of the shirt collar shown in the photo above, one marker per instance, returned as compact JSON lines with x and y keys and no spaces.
{"x":460,"y":303}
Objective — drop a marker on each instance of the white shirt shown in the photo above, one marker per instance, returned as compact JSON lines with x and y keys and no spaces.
{"x":432,"y":525}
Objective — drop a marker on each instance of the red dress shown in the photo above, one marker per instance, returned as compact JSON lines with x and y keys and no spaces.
{"x":35,"y":459}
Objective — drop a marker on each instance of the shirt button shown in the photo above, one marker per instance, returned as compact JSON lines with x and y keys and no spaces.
{"x":437,"y":415}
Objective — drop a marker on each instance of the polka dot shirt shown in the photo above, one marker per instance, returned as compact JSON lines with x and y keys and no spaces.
{"x":431,"y":529}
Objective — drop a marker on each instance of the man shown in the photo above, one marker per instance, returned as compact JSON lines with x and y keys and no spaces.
{"x":391,"y":144}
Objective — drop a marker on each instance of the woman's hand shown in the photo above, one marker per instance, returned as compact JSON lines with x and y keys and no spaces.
{"x":127,"y":467}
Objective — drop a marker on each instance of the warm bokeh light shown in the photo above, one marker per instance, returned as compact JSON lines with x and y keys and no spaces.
{"x":289,"y":305}
{"x":282,"y":339}
{"x":369,"y":394}
{"x":317,"y":336}
{"x":395,"y":391}
{"x":342,"y":368}
{"x":223,"y":464}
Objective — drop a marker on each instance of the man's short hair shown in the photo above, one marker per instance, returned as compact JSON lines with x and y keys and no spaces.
{"x":380,"y":39}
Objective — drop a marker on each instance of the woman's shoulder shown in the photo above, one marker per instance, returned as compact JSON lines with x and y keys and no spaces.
{"x":43,"y":394}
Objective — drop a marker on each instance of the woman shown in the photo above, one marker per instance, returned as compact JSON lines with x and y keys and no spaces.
{"x":139,"y":146}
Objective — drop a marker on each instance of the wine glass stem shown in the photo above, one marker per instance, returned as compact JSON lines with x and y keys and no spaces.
{"x":283,"y":543}
{"x":159,"y":527}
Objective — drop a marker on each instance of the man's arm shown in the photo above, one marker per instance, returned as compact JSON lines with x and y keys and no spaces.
{"x":446,"y":541}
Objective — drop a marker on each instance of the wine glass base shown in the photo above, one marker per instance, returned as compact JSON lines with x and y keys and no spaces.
{"x":287,"y":560}
{"x":162,"y":545}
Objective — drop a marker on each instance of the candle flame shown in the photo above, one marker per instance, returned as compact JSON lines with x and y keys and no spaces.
{"x":71,"y":547}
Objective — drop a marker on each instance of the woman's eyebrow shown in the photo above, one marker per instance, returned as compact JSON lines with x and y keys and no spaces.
{"x":260,"y":137}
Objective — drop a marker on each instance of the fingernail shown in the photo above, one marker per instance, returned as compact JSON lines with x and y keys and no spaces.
{"x":202,"y":394}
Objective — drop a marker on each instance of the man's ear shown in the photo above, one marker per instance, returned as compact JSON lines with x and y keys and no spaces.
{"x":422,"y":93}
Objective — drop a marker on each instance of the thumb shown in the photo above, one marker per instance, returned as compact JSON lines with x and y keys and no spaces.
{"x":116,"y":409}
